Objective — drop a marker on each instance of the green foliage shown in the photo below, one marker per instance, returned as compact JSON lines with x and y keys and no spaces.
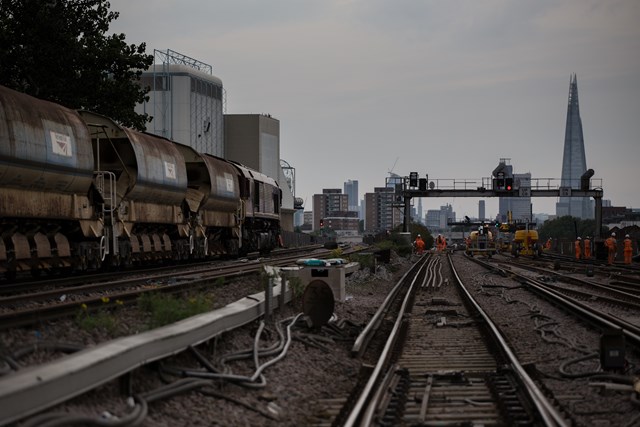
{"x":297,"y":287}
{"x":164,"y":309}
{"x":404,"y":250}
{"x":423,"y":232}
{"x":415,"y":229}
{"x":99,"y":320}
{"x":567,"y":227}
{"x":365,"y":260}
{"x":336,"y":253}
{"x":103,"y":319}
{"x":59,"y":51}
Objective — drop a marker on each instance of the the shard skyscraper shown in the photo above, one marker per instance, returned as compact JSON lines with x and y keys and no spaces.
{"x":574,"y":162}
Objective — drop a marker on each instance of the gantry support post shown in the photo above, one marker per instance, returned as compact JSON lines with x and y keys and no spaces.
{"x":598,"y":215}
{"x":407,"y":214}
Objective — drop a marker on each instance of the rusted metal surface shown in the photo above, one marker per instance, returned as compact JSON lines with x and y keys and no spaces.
{"x":148,"y":168}
{"x":43,"y":145}
{"x":224,"y":190}
{"x":318,"y":302}
{"x":213,"y":187}
{"x":161,"y":171}
{"x":149,"y":212}
{"x":21,"y":248}
{"x":267,"y":190}
{"x":24,"y":203}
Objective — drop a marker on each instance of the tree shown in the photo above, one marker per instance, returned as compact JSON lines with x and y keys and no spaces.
{"x":416,"y":228}
{"x":568,"y":227}
{"x":59,"y":51}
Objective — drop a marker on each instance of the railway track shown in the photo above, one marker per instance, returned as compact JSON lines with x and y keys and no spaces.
{"x":445,"y":363}
{"x":451,"y":372}
{"x":581,"y":286}
{"x":601,"y":318}
{"x":29,"y":307}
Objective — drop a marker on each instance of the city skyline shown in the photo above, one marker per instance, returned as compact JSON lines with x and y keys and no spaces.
{"x":442,"y":88}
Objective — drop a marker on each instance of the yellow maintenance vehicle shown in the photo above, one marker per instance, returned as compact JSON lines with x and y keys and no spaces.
{"x":480,"y":242}
{"x":525,"y":242}
{"x":518,"y":238}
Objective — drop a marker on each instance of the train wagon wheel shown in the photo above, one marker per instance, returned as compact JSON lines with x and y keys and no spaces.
{"x":103,"y":248}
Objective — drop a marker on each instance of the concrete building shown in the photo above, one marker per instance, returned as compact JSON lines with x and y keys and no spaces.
{"x":574,"y":163}
{"x":254,"y":141}
{"x":481,"y":210}
{"x":433,"y":219}
{"x":185,"y":101}
{"x":307,"y":223}
{"x":520,"y":207}
{"x":380,"y":213}
{"x":325,"y":205}
{"x":438,"y":219}
{"x":419,"y":217}
{"x":351,"y":190}
{"x":344,"y":223}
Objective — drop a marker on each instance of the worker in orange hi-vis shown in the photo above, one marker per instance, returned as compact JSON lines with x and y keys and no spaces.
{"x":587,"y":247}
{"x":547,"y":245}
{"x":419,"y":245}
{"x":628,"y":249}
{"x":612,"y":248}
{"x":578,"y":247}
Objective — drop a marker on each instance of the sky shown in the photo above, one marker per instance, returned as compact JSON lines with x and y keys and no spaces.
{"x":445,"y":88}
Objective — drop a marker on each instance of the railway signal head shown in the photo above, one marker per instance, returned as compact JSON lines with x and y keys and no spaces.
{"x":508,"y":184}
{"x":413,"y":179}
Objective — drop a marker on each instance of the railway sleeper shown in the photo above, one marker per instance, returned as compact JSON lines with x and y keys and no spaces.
{"x":510,"y":401}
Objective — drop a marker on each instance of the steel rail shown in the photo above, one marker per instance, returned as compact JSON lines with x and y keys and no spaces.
{"x":549,"y":414}
{"x":363,"y":339}
{"x":362,"y":404}
{"x":598,"y":318}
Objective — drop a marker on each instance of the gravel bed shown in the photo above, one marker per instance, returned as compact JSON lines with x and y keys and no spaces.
{"x":544,"y":338}
{"x":317,"y":365}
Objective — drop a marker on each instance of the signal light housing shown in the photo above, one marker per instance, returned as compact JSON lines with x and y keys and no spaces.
{"x":508,"y":184}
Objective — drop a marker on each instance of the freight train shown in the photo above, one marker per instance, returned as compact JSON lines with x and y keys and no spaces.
{"x":78,"y":191}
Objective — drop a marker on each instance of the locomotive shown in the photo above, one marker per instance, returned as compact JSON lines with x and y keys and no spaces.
{"x":78,"y":191}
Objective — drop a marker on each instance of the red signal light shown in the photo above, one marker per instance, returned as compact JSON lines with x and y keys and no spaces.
{"x":508,"y":183}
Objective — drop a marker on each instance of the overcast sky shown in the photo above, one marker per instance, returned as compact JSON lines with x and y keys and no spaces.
{"x":444,"y":88}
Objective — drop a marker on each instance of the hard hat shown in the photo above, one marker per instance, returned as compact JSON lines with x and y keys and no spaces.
{"x":626,"y":235}
{"x":613,"y":234}
{"x":579,"y":238}
{"x":418,"y":235}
